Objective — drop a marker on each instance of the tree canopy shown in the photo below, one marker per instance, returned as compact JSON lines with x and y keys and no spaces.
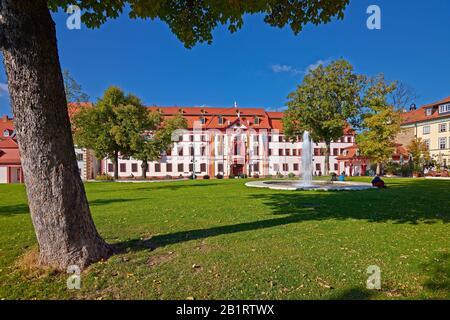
{"x":193,"y":21}
{"x":323,"y":103}
{"x":380,"y":122}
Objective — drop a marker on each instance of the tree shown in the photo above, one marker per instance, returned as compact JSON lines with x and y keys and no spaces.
{"x":380,"y":123}
{"x":420,"y":154}
{"x":157,"y":138}
{"x":108,"y":127}
{"x":403,"y":96}
{"x":323,"y":103}
{"x":57,"y":201}
{"x":73,"y":89}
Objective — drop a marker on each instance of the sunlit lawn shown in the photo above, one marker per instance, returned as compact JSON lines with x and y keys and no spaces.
{"x":218,"y":239}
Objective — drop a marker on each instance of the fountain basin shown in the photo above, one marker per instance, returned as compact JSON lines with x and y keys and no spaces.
{"x":317,"y":185}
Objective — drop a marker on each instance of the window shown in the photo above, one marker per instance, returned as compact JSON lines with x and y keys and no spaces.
{"x":444,"y":108}
{"x":220,"y":119}
{"x":169,"y":152}
{"x":443,"y":127}
{"x":203,"y":150}
{"x":336,"y":168}
{"x":202,"y":120}
{"x":256,"y":166}
{"x":442,"y":143}
{"x":288,"y":152}
{"x":191,"y":151}
{"x":318,"y":167}
{"x":169,"y":167}
{"x":276,"y":167}
{"x":6,"y":133}
{"x":342,"y":139}
{"x":220,"y":167}
{"x":180,"y":167}
{"x":280,"y":152}
{"x":427,"y":143}
{"x":317,"y":151}
{"x":295,"y":166}
{"x":157,"y":167}
{"x":426,"y":130}
{"x":349,"y":139}
{"x":191,"y":167}
{"x":123,"y":167}
{"x":269,"y":138}
{"x":294,"y":152}
{"x":280,"y":138}
{"x":285,"y":167}
{"x":79,"y":157}
{"x":180,"y":151}
{"x":256,"y":120}
{"x":270,"y":152}
{"x":256,"y":151}
{"x":203,"y":167}
{"x":134,"y":167}
{"x":335,"y":152}
{"x":110,"y":167}
{"x":428,"y":111}
{"x":300,"y":152}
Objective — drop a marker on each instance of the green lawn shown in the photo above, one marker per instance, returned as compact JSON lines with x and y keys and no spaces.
{"x":218,"y":239}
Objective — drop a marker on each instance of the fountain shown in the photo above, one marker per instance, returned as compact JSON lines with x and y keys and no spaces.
{"x":306,"y":183}
{"x":307,"y":169}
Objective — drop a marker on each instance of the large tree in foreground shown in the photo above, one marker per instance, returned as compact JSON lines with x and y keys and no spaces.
{"x":327,"y":98}
{"x":380,"y":123}
{"x":59,"y":209}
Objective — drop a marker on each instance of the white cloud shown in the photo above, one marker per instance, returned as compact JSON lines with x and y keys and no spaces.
{"x":282,"y":68}
{"x":4,"y":89}
{"x":316,"y":65}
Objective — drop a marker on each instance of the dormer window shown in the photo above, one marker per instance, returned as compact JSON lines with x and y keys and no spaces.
{"x":428,"y":111}
{"x":256,"y":120}
{"x":220,"y":119}
{"x":202,"y":120}
{"x":6,"y":133}
{"x":444,"y":108}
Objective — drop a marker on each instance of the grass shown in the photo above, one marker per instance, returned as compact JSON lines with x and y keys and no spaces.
{"x":218,"y":239}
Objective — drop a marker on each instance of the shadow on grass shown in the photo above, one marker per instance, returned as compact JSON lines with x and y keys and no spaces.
{"x":438,"y":272}
{"x":152,"y":186}
{"x":12,"y":210}
{"x":355,"y":294}
{"x":401,"y":203}
{"x":100,"y":202}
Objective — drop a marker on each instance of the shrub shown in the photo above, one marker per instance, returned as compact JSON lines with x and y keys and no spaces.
{"x":104,"y":177}
{"x":231,"y":176}
{"x":279,"y":175}
{"x":291,"y":175}
{"x":206,"y":177}
{"x":256,"y":176}
{"x":219,"y":176}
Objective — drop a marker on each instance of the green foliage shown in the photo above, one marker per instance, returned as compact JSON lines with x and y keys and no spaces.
{"x":104,"y":177}
{"x":73,"y":89}
{"x":291,"y":175}
{"x":380,"y":122}
{"x":193,"y":21}
{"x":420,"y":154}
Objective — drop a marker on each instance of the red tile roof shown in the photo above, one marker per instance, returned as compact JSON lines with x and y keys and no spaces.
{"x":9,"y":152}
{"x":419,"y":115}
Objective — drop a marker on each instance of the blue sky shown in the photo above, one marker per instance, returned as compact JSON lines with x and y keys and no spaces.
{"x":259,"y":65}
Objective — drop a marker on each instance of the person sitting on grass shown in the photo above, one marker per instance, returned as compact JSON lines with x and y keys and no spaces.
{"x":333,"y":176}
{"x":377,"y":182}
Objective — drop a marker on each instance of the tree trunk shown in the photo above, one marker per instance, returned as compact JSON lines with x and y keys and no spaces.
{"x":58,"y":205}
{"x":116,"y":165}
{"x":144,"y":167}
{"x":327,"y":158}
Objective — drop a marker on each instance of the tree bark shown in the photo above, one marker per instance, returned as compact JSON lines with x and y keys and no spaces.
{"x":144,"y":167}
{"x":116,"y":165}
{"x":327,"y":158}
{"x":58,"y":205}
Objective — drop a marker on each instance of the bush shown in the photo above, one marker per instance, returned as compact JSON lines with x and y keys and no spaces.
{"x":206,"y":177}
{"x":231,"y":176}
{"x":279,"y":175}
{"x":256,"y":176}
{"x":192,"y":177}
{"x":291,"y":175}
{"x":104,"y":177}
{"x":219,"y":176}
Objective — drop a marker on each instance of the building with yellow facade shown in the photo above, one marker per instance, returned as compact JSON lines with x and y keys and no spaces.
{"x":431,"y":123}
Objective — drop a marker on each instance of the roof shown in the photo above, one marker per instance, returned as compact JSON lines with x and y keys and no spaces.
{"x":419,"y":115}
{"x":9,"y":152}
{"x":353,"y":153}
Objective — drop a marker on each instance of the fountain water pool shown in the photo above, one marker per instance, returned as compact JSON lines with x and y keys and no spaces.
{"x":306,"y":183}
